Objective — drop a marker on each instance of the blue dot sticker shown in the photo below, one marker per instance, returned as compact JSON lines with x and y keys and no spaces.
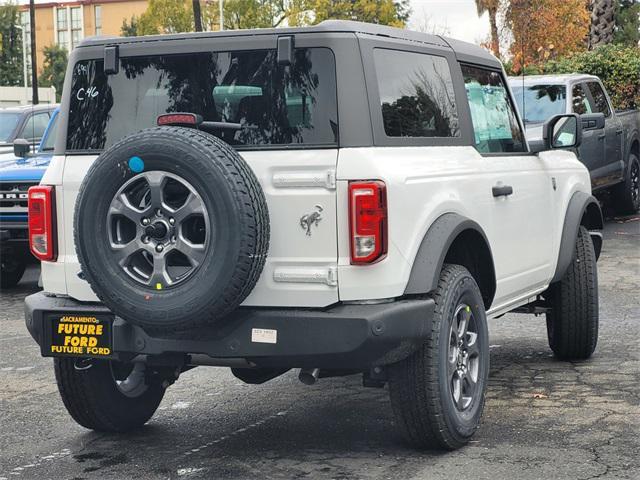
{"x":136,"y":164}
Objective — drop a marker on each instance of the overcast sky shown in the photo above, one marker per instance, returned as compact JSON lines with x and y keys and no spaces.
{"x":459,"y":17}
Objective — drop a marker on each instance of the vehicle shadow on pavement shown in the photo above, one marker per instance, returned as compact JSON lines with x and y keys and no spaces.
{"x":536,"y":407}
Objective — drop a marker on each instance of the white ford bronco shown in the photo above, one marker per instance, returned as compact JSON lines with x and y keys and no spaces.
{"x":345,"y":198}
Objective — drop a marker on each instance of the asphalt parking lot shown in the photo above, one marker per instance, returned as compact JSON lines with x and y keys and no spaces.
{"x":544,"y":419}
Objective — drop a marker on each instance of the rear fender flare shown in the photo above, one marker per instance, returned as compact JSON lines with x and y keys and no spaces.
{"x":435,"y":245}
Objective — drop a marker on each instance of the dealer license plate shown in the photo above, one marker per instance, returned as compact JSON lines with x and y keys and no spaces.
{"x":80,"y":335}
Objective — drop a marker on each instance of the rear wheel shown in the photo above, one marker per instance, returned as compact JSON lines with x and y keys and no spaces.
{"x":572,"y":322}
{"x":106,"y":395}
{"x":11,"y":270}
{"x":627,"y":194}
{"x":437,"y":394}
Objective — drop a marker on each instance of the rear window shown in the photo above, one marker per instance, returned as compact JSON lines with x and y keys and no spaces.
{"x":273,"y":104}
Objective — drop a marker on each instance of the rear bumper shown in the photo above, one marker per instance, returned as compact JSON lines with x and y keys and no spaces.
{"x":343,"y":336}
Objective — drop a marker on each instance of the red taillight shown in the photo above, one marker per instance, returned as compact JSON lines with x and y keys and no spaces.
{"x":42,"y":222}
{"x":178,"y":119}
{"x":368,"y":221}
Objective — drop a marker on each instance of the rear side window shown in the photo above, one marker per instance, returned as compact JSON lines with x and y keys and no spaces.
{"x":581,"y":102}
{"x":495,"y":123}
{"x":267,"y":103}
{"x":36,"y":125}
{"x":601,"y":105}
{"x":416,"y":94}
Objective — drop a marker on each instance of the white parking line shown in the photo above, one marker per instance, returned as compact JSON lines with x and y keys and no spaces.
{"x":17,"y":369}
{"x":16,"y":471}
{"x":235,"y":432}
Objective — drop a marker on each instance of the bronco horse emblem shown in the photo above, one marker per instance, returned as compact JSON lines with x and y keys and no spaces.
{"x":306,"y":221}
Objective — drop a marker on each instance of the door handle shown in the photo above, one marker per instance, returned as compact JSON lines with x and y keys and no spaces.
{"x":502,"y":190}
{"x":619,"y":132}
{"x":602,"y":136}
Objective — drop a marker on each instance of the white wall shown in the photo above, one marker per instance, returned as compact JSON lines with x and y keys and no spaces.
{"x":13,"y":96}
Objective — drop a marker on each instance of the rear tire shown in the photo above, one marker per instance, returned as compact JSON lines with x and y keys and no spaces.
{"x":423,"y":387}
{"x":11,"y":271}
{"x":94,"y":399}
{"x":627,"y":194}
{"x":572,"y":322}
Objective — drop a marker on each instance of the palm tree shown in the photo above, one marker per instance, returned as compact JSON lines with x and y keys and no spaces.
{"x":602,"y":22}
{"x":491,"y":6}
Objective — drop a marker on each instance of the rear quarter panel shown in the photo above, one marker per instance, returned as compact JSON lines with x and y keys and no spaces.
{"x":424,"y":183}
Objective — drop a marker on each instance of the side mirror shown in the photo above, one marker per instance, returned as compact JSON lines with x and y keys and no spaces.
{"x":562,"y":131}
{"x":592,"y":121}
{"x":21,"y":147}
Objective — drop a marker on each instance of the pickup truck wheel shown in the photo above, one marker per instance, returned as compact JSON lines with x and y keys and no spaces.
{"x":171,"y":229}
{"x":627,"y":194}
{"x":11,"y":271}
{"x":106,"y":395}
{"x":572,"y":322}
{"x":438,"y":393}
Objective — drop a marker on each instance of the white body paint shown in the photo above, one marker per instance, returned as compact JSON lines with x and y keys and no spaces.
{"x":313,"y":270}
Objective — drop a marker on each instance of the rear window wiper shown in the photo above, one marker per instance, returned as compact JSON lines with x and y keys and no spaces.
{"x":221,"y":126}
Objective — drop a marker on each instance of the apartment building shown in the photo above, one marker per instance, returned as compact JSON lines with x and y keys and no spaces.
{"x":67,"y":23}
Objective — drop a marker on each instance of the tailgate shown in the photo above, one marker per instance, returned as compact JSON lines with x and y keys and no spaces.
{"x":299,"y":185}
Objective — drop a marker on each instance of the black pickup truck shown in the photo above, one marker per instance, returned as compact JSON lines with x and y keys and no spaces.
{"x":610,"y":141}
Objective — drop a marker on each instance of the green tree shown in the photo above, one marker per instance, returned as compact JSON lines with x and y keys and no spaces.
{"x":627,"y":29}
{"x":253,"y":13}
{"x":166,"y":16}
{"x":616,"y":65}
{"x":10,"y":47}
{"x":130,"y":28}
{"x":171,"y":16}
{"x":385,"y":12}
{"x":55,"y":66}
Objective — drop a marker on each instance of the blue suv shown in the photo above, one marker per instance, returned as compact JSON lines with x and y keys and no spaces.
{"x":17,"y":173}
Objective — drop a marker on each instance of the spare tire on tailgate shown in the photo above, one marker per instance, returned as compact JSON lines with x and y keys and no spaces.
{"x":171,"y":229}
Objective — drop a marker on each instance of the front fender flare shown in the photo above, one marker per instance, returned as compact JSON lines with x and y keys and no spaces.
{"x":583,"y":209}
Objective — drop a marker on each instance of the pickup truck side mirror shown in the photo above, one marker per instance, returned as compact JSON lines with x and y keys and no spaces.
{"x":21,"y":147}
{"x":562,"y":131}
{"x":592,"y":121}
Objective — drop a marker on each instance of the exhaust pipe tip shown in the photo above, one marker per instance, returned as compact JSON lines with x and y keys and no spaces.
{"x":309,"y":376}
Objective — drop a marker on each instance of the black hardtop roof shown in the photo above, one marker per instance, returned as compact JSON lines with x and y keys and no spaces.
{"x":465,"y":51}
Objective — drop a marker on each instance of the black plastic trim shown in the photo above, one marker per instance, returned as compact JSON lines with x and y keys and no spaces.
{"x":576,"y":210}
{"x":343,"y":336}
{"x":433,"y":249}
